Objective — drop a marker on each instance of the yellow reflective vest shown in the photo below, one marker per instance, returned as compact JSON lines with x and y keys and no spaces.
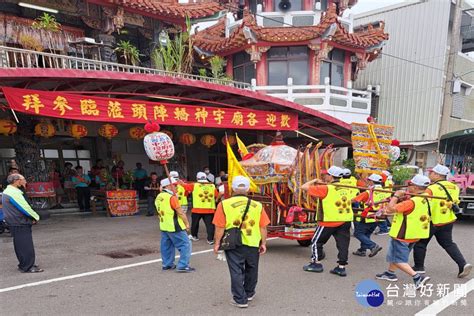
{"x":442,"y":210}
{"x":415,"y":225}
{"x":204,"y":196}
{"x":169,"y":219}
{"x":378,"y":196}
{"x":183,"y":199}
{"x":234,"y":208}
{"x":352,"y":181}
{"x":336,"y":206}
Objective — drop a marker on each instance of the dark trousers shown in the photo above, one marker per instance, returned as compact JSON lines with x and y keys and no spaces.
{"x":151,"y":208}
{"x":362,"y":232}
{"x":24,"y":248}
{"x":84,"y":198}
{"x":342,"y":236}
{"x":140,"y":187}
{"x":243,"y":268}
{"x":444,"y":236}
{"x":207,"y":218}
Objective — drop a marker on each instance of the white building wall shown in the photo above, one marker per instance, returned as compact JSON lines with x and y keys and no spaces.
{"x":411,"y":95}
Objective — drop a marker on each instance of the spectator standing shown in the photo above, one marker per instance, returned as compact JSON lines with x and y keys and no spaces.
{"x":95,"y":172}
{"x":219,"y":178}
{"x":118,"y":173}
{"x":12,"y":170}
{"x":81,"y":183}
{"x":152,"y":187}
{"x":209,"y":176}
{"x":20,"y":217}
{"x":140,"y":177}
{"x":241,"y":212}
{"x":55,"y":178}
{"x":69,"y":188}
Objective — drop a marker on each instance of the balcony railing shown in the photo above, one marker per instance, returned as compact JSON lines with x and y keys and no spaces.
{"x":22,"y":58}
{"x":345,"y":103}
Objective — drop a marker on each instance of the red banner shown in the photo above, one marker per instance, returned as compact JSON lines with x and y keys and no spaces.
{"x":90,"y":108}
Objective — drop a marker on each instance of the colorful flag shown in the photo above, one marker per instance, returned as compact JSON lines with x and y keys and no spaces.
{"x":242,"y":149}
{"x":235,"y":169}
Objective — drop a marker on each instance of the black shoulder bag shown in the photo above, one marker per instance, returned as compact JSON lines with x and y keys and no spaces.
{"x":233,"y":236}
{"x":455,"y":207}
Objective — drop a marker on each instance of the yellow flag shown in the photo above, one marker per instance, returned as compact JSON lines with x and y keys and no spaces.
{"x":235,"y":169}
{"x":242,"y":149}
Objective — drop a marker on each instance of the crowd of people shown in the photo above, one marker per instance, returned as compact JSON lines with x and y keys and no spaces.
{"x":236,"y":224}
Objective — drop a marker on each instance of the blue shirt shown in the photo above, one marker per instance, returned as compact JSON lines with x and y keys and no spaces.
{"x":82,"y":181}
{"x":139,"y":174}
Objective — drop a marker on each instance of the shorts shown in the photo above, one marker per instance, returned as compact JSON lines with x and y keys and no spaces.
{"x":399,"y":251}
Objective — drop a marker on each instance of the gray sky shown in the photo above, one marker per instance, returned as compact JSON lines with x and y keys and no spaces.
{"x":368,"y":5}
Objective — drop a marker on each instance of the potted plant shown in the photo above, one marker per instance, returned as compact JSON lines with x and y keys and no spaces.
{"x":47,"y":23}
{"x":128,"y":53}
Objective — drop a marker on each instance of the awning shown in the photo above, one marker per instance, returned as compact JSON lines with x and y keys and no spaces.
{"x":458,"y":143}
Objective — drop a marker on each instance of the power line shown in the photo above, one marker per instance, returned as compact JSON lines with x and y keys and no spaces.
{"x":411,"y":61}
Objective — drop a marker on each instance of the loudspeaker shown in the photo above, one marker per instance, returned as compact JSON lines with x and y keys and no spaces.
{"x":284,"y":5}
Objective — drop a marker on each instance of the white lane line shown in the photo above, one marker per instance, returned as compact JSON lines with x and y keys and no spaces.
{"x":445,"y":301}
{"x":85,"y":274}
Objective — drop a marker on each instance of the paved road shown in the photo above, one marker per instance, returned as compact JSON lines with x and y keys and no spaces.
{"x":70,"y":245}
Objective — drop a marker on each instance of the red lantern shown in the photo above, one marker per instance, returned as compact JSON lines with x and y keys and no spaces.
{"x":208,"y":140}
{"x":232,"y":140}
{"x":7,"y":127}
{"x":45,"y":130}
{"x":77,"y":131}
{"x":158,"y":147}
{"x":168,"y":133}
{"x":137,"y":132}
{"x":187,"y":139}
{"x":108,"y":131}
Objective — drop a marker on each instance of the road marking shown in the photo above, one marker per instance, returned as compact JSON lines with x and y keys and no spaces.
{"x":85,"y":274}
{"x":445,"y":301}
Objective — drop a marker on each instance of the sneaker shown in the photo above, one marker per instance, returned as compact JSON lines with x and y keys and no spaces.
{"x":419,"y":282}
{"x":360,"y":253}
{"x":168,"y":268}
{"x":339,"y":271}
{"x":374,"y":251}
{"x":392,"y":277}
{"x":419,"y":269}
{"x":313,"y":267}
{"x":250,"y":298}
{"x":186,"y":270}
{"x":464,"y":272}
{"x":234,"y":303}
{"x":193,"y":238}
{"x":381,"y":233}
{"x":210,"y":242}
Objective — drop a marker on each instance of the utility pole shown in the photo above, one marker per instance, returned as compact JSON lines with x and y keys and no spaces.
{"x":448,"y":84}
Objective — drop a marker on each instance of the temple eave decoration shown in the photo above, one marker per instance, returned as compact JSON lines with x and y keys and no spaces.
{"x":330,"y":29}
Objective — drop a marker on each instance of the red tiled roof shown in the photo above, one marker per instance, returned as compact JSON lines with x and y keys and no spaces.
{"x":213,"y":38}
{"x":171,"y":8}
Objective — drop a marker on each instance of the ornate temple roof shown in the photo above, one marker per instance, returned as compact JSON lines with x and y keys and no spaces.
{"x":213,"y":39}
{"x":171,"y":8}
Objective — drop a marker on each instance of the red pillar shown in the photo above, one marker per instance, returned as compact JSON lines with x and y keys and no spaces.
{"x":347,"y":68}
{"x":268,"y":6}
{"x":262,"y":71}
{"x":308,"y":5}
{"x":313,"y":68}
{"x":229,"y":70}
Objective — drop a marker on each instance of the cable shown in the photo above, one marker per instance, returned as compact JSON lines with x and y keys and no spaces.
{"x":411,"y":61}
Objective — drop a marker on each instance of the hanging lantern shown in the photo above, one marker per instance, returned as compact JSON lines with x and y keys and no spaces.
{"x":78,"y":131}
{"x":108,"y":131}
{"x":187,"y":139}
{"x":7,"y":127}
{"x":137,"y":132}
{"x":45,"y":130}
{"x":232,"y":140}
{"x":158,"y":146}
{"x":168,"y":133}
{"x":208,"y":140}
